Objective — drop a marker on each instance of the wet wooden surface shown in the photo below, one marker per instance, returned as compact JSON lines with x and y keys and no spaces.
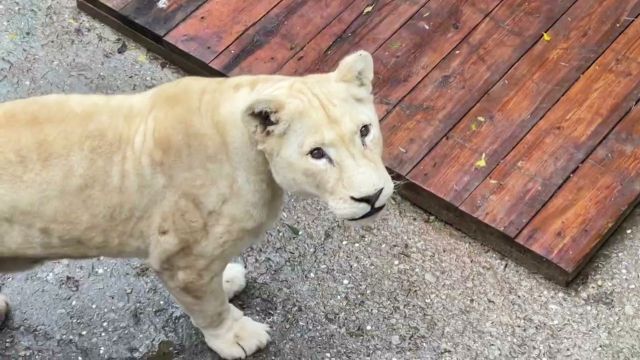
{"x":157,"y":15}
{"x":511,"y":119}
{"x":571,"y":226}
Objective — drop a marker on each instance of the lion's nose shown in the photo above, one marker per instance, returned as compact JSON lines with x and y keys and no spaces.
{"x":369,"y":199}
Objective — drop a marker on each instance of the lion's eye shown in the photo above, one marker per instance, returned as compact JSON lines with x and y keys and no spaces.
{"x":317,"y":153}
{"x":365,"y":130}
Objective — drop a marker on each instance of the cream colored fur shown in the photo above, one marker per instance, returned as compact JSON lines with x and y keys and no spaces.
{"x":186,"y":175}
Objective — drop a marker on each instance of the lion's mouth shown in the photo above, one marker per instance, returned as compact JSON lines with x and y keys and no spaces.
{"x":370,"y":213}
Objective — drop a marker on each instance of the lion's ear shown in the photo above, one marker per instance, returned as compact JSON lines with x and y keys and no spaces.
{"x":262,"y":118}
{"x":356,"y":69}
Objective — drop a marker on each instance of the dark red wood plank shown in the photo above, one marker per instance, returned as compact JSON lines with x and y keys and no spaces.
{"x":542,"y":161}
{"x":365,"y":25}
{"x":313,"y":51}
{"x":215,"y":25}
{"x":159,"y":16}
{"x":520,"y":100}
{"x":278,"y":36}
{"x":433,"y":107}
{"x":410,"y":54}
{"x":579,"y":218}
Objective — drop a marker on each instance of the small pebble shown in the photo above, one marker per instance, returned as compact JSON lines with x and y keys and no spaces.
{"x":345,"y":282}
{"x":629,"y":310}
{"x":395,"y":340}
{"x":429,"y":277}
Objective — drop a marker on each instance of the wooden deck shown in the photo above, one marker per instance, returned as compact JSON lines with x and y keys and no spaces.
{"x":513,"y":120}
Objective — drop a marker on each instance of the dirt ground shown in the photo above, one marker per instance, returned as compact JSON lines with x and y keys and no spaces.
{"x":409,"y":287}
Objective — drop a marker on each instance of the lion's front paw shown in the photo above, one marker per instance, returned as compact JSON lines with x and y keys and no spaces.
{"x":239,"y":338}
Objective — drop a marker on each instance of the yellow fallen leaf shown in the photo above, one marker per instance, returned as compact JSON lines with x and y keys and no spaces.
{"x":12,"y":36}
{"x":368,"y":9}
{"x":73,"y":22}
{"x":142,"y":58}
{"x":474,"y":126}
{"x":546,"y":36}
{"x":481,"y":163}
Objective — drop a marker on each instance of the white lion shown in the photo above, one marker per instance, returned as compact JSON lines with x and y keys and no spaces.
{"x":186,"y":175}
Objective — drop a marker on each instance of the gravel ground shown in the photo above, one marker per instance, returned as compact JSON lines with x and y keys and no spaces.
{"x":409,"y":287}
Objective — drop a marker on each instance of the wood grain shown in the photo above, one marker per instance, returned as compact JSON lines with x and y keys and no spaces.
{"x":340,"y":28}
{"x":123,"y":25}
{"x":277,"y":37}
{"x":215,"y":25}
{"x":577,"y":220}
{"x":518,"y":102}
{"x":410,"y":54}
{"x":543,"y":160}
{"x":159,"y":19}
{"x":446,"y":94}
{"x":364,"y":25}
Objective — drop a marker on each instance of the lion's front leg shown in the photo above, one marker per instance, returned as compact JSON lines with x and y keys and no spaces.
{"x":201,"y":292}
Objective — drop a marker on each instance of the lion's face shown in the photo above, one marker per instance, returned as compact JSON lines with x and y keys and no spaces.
{"x":322,"y":138}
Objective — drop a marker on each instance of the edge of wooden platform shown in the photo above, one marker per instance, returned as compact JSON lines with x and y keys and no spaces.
{"x":139,"y":34}
{"x":484,"y":233}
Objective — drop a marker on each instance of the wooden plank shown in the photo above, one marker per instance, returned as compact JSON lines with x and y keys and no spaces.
{"x":341,"y":28}
{"x":438,"y":102}
{"x":517,"y":103}
{"x":410,"y":54}
{"x":364,"y":25}
{"x":277,"y":37}
{"x":586,"y":210}
{"x":215,"y":25}
{"x":523,"y":182}
{"x":159,"y":16}
{"x":123,"y":25}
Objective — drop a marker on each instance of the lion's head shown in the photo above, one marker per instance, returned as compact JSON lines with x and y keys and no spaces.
{"x":321,"y":136}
